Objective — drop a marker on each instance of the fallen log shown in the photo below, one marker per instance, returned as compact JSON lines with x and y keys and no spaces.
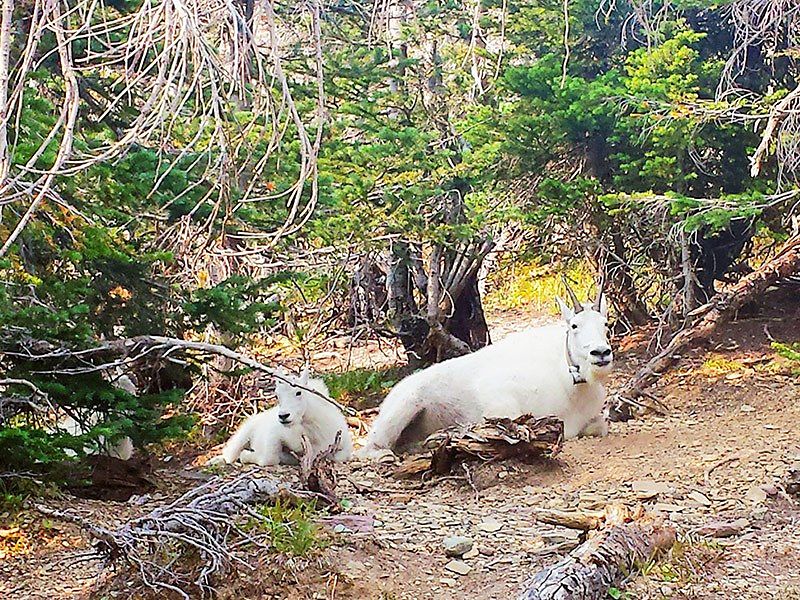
{"x":625,"y":537}
{"x":525,"y":437}
{"x":713,"y":314}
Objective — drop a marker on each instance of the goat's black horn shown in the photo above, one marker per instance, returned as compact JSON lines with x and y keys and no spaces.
{"x":576,"y":305}
{"x":600,"y":289}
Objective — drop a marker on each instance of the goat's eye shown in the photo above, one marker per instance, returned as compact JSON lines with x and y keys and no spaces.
{"x":298,"y":393}
{"x":574,"y":326}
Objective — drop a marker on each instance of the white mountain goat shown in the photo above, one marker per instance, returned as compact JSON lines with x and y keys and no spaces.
{"x":122,"y":449}
{"x":554,"y":370}
{"x":273,"y":434}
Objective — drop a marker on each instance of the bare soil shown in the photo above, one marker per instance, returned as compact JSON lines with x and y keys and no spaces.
{"x":721,"y":452}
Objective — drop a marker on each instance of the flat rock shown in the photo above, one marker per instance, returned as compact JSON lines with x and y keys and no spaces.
{"x":756,"y":495}
{"x":457,"y":545}
{"x":646,"y":488}
{"x":699,"y":498}
{"x":459,"y":567}
{"x":490,"y":525}
{"x":664,"y":507}
{"x":471,"y":553}
{"x":721,"y":529}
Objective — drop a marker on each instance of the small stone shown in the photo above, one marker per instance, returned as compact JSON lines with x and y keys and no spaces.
{"x":770,"y":490}
{"x":486,"y":551}
{"x":747,"y":408}
{"x":457,"y":545}
{"x":756,"y":495}
{"x":458,"y":567}
{"x":448,"y":581}
{"x":490,"y":525}
{"x":471,"y":553}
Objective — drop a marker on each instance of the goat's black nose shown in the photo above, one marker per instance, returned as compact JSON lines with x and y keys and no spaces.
{"x":601,"y":352}
{"x":284,"y":417}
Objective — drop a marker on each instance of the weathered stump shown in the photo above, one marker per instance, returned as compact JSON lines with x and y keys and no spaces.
{"x":525,"y":437}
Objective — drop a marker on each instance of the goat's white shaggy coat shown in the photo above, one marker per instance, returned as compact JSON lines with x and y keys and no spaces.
{"x":273,"y":434}
{"x":525,"y":373}
{"x":123,"y":449}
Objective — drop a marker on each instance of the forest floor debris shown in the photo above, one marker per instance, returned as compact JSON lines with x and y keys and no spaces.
{"x":697,"y":466}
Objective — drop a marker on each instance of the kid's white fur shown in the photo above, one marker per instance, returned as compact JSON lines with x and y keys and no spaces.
{"x":271,"y":440}
{"x":123,"y":449}
{"x":527,"y":372}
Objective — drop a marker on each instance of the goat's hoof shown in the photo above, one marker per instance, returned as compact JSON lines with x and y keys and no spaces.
{"x":371,"y":453}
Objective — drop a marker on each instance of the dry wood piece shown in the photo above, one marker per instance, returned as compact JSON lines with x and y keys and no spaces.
{"x":624,"y":538}
{"x":719,"y":310}
{"x":582,"y":520}
{"x":492,"y":439}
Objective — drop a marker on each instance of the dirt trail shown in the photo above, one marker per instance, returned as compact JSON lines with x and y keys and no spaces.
{"x":731,"y":434}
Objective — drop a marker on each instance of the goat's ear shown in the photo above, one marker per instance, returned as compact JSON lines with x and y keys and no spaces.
{"x":282,"y":377}
{"x":304,"y":376}
{"x":566,"y":312}
{"x":603,"y":305}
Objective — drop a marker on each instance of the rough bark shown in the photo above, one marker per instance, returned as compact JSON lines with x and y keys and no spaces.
{"x":625,"y":537}
{"x":317,"y":470}
{"x":468,"y":322}
{"x":525,"y":437}
{"x":716,"y":312}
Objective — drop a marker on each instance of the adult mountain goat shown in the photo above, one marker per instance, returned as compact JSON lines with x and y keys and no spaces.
{"x":558,"y":369}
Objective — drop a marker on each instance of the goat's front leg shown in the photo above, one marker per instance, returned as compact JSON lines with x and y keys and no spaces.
{"x":597,"y":427}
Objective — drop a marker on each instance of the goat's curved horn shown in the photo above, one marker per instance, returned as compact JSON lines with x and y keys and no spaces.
{"x":576,"y":304}
{"x":600,"y":289}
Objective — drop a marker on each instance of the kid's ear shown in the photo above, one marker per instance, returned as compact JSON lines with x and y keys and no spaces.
{"x":281,"y":375}
{"x":304,"y":375}
{"x":566,"y":312}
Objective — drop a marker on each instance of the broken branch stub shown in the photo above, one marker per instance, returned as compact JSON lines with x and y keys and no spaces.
{"x":317,"y":470}
{"x":525,"y":437}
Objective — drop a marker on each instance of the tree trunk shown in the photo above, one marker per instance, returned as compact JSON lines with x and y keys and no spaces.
{"x":468,"y":322}
{"x":624,"y":295}
{"x":625,"y":538}
{"x":718,"y":311}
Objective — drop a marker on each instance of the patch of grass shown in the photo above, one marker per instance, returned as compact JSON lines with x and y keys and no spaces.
{"x":719,"y":365}
{"x":291,"y":527}
{"x":532,"y":285}
{"x":360,"y":385}
{"x":790,"y":352}
{"x":683,"y":564}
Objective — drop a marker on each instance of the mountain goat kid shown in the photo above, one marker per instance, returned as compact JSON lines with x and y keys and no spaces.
{"x":554,"y":370}
{"x":276,"y":433}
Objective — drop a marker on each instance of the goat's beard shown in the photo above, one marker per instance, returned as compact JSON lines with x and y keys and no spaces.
{"x":598,"y":372}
